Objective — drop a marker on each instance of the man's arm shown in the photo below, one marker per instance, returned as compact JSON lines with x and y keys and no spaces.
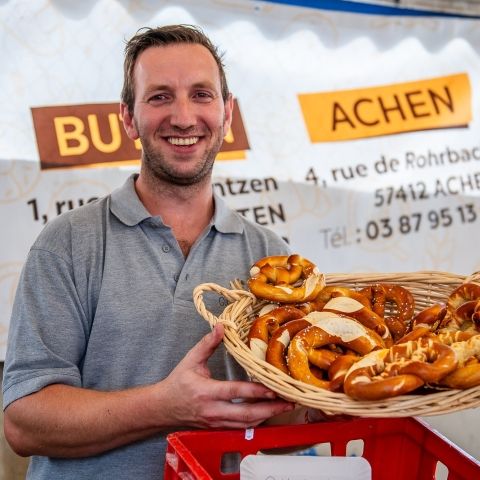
{"x":66,"y":421}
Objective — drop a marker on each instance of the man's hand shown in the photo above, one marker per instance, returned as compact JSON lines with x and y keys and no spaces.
{"x":193,"y":398}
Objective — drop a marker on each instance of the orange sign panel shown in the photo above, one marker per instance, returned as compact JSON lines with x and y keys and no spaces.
{"x":441,"y":102}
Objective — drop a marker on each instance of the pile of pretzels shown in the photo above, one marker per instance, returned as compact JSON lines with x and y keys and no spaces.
{"x":369,"y":343}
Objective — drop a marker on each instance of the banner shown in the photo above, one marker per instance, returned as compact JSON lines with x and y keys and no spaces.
{"x":356,"y":137}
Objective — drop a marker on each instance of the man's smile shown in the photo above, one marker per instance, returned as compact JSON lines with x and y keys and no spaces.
{"x":187,"y":141}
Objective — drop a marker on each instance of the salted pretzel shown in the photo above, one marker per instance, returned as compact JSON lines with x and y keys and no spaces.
{"x":345,"y":332}
{"x":466,"y":316}
{"x":376,"y":296}
{"x":449,"y":337}
{"x":263,"y":327}
{"x":399,"y":370}
{"x":366,"y":380}
{"x":467,"y":374}
{"x":286,"y":279}
{"x":425,"y":322}
{"x":278,"y":343}
{"x":353,"y":308}
{"x":329,"y":292}
{"x":280,"y":340}
{"x":431,"y":316}
{"x":404,"y":301}
{"x":338,"y":369}
{"x":463,"y":311}
{"x":464,"y":293}
{"x":464,"y":377}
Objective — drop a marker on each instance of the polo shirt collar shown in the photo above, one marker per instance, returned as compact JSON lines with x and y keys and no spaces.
{"x":126,"y":205}
{"x":225,"y":219}
{"x":128,"y":208}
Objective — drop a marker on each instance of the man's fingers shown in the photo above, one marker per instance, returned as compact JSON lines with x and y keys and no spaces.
{"x":246,"y":414}
{"x":231,"y":390}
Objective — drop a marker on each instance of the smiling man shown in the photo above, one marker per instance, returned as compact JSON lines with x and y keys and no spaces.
{"x":106,"y":352}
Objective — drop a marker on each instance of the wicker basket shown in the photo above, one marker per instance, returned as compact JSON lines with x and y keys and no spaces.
{"x":427,"y":287}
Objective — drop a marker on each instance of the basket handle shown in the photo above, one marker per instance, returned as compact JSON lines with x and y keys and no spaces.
{"x":240,"y":300}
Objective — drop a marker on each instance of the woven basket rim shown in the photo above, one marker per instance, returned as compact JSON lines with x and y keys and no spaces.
{"x":426,"y":286}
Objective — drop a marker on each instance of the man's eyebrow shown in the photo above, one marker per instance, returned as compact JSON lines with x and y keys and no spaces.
{"x":205,"y":84}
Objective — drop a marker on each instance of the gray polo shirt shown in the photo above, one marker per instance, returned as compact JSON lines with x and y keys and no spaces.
{"x":105,"y":302}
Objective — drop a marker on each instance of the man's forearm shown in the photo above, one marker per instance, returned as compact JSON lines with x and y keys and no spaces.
{"x":65,"y":421}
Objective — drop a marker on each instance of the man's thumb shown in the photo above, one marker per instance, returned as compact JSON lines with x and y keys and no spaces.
{"x":204,"y":349}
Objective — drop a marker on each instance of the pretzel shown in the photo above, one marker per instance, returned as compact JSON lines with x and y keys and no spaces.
{"x":466,"y":316}
{"x":264,"y":325}
{"x":449,"y":337}
{"x":366,"y":379}
{"x":399,"y":369}
{"x":376,"y":296}
{"x":329,"y":292}
{"x":345,"y":332}
{"x":339,"y":368}
{"x":464,"y":377}
{"x":286,"y":279}
{"x":278,"y":343}
{"x":353,"y":308}
{"x":467,"y":374}
{"x":424,"y":322}
{"x":464,"y":293}
{"x":431,"y":316}
{"x":280,"y":339}
{"x":405,"y":306}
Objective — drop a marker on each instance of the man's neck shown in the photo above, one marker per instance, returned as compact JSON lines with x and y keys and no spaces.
{"x":186,"y":209}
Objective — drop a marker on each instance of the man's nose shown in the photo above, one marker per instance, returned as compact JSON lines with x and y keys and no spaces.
{"x":183,"y":114}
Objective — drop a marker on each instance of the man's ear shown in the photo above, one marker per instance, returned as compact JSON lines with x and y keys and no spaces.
{"x":128,"y":122}
{"x":228,"y":114}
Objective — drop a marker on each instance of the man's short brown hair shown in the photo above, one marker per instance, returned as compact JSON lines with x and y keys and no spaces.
{"x":161,"y":36}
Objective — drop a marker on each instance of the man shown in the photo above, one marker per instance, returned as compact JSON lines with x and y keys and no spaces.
{"x":105,"y":352}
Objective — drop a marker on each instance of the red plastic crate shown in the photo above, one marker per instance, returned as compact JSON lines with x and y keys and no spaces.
{"x":397,"y":449}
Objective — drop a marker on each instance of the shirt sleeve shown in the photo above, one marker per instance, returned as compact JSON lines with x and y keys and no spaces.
{"x":48,"y":329}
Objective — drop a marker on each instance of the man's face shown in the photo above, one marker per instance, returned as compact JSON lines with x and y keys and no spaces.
{"x":179,"y":114}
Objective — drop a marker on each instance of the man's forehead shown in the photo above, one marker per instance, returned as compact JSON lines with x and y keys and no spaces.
{"x":192,"y":55}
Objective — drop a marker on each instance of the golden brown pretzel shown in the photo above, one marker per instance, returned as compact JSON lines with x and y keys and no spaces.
{"x":279,"y":341}
{"x":466,"y":316}
{"x":404,"y":301}
{"x":376,"y":296}
{"x":424,"y":322}
{"x":329,"y":292}
{"x":405,"y":304}
{"x":448,"y":337}
{"x":399,"y":369}
{"x":431,"y":316}
{"x":467,"y":374}
{"x":464,"y":377}
{"x":351,"y":307}
{"x":456,"y":317}
{"x":263,"y":327}
{"x":339,"y":368}
{"x":419,"y":331}
{"x":366,"y":380}
{"x":286,"y":279}
{"x":429,"y":359}
{"x":346,"y":332}
{"x":464,"y":293}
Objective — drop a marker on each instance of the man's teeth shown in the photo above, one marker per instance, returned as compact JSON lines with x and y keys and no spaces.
{"x":183,"y":140}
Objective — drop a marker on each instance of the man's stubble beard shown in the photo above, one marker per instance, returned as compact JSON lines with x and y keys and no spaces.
{"x":155,"y":166}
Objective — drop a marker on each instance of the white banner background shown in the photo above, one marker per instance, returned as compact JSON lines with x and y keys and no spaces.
{"x":66,"y":53}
